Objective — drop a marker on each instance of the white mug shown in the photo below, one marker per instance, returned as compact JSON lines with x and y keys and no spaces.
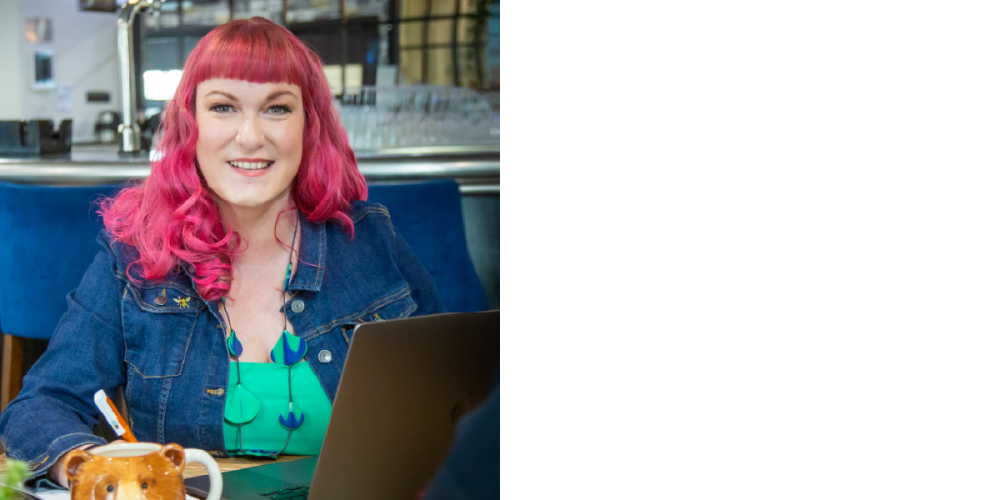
{"x":122,"y":450}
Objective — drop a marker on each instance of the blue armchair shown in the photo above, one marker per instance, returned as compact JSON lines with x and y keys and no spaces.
{"x":48,"y":238}
{"x":428,"y":215}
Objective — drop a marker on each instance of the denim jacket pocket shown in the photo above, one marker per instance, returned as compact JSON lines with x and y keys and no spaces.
{"x":392,"y":308}
{"x":397,"y":308}
{"x":158,"y":323}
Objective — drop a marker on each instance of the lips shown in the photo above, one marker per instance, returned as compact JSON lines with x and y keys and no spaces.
{"x":251,"y":165}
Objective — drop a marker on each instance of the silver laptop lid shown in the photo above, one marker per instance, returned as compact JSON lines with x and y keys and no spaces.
{"x":405,"y":385}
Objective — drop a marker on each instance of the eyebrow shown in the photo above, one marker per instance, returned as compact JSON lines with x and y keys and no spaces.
{"x":233,"y":98}
{"x":279,"y":93}
{"x":223,"y":94}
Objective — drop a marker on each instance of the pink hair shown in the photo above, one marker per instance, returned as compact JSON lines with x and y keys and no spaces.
{"x":170,"y":217}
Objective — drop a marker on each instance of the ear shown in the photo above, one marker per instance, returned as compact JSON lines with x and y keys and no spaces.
{"x":174,"y":453}
{"x":74,"y":459}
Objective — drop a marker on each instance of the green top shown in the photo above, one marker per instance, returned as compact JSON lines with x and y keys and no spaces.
{"x":268,"y":382}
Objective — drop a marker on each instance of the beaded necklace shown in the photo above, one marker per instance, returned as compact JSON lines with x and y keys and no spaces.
{"x":241,"y":405}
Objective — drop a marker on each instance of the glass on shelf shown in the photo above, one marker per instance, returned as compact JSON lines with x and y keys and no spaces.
{"x":418,"y":115}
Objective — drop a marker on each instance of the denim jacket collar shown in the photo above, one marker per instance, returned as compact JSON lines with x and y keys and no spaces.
{"x":354,"y":286}
{"x":312,"y":253}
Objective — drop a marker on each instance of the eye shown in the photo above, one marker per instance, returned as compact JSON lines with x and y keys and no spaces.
{"x":111,"y":488}
{"x":145,"y":485}
{"x":279,"y":109}
{"x":221,"y":108}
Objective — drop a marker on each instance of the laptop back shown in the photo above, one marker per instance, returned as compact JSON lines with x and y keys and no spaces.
{"x":405,"y":385}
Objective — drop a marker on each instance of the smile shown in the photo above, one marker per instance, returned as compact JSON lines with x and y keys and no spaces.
{"x":251,"y":165}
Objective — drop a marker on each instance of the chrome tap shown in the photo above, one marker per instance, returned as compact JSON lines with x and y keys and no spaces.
{"x":130,"y":141}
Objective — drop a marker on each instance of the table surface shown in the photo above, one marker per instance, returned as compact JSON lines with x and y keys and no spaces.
{"x":195,"y":470}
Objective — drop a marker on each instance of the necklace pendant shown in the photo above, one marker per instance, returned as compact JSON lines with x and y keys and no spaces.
{"x":241,"y":406}
{"x":293,"y":418}
{"x":288,"y":350}
{"x":234,"y":344}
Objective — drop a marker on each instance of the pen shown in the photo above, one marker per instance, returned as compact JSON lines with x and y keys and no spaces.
{"x":112,"y":416}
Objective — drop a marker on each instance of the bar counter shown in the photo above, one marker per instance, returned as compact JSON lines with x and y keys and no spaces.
{"x":475,"y":168}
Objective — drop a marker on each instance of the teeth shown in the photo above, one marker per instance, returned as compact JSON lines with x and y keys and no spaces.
{"x":251,"y":166}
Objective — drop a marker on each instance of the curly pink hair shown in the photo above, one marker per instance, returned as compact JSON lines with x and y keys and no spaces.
{"x":170,"y":217}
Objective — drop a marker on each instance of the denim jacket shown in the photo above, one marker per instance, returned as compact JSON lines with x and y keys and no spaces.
{"x":166,"y":344}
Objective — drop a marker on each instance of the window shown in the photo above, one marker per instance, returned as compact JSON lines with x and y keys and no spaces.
{"x":442,"y":42}
{"x":438,"y":42}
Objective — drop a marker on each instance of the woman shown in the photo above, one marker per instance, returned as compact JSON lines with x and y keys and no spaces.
{"x":229,"y":281}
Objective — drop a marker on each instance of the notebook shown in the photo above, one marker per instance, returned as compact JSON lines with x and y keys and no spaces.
{"x":404,"y":387}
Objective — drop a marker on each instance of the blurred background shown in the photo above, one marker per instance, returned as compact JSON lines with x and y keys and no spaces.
{"x":437,"y":62}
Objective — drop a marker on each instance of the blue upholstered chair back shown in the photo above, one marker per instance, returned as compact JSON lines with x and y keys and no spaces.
{"x":48,"y":238}
{"x":429,"y":217}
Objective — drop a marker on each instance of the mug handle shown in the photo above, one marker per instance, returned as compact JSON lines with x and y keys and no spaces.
{"x":215,"y":477}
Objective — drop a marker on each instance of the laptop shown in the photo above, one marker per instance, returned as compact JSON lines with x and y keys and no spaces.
{"x":405,"y":385}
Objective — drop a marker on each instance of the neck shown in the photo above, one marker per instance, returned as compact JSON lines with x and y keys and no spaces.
{"x":256,"y":226}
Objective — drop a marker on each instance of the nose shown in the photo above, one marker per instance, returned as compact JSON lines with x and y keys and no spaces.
{"x":129,"y":489}
{"x":250,"y":136}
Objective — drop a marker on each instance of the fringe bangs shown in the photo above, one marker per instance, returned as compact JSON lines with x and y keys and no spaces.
{"x":252,"y":54}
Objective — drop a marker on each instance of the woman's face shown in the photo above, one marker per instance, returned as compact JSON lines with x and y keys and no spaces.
{"x":249,"y":139}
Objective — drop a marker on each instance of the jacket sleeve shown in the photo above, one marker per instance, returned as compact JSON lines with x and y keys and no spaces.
{"x":422,"y":287}
{"x":55,"y":412}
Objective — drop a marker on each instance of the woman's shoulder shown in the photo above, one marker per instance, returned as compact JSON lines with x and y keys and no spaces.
{"x":364,"y":211}
{"x":122,"y":254}
{"x":128,"y":266}
{"x":369,"y":220}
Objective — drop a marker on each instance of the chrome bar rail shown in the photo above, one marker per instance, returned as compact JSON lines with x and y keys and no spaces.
{"x":476,"y":169}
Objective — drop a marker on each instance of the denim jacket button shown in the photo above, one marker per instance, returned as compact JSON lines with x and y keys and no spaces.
{"x":325,"y":356}
{"x":298,"y":306}
{"x":160,"y":300}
